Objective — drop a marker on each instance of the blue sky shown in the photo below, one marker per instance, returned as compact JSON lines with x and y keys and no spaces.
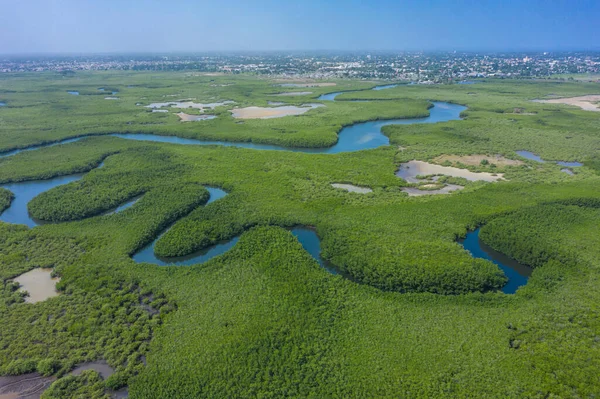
{"x":31,"y":26}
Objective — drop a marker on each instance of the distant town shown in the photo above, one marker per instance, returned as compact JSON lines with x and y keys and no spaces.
{"x":423,"y":68}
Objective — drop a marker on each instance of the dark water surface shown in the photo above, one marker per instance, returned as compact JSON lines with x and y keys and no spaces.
{"x":24,"y":192}
{"x":517,"y":273}
{"x":531,"y":156}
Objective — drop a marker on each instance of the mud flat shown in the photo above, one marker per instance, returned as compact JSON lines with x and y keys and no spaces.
{"x":26,"y":386}
{"x":268,"y":113}
{"x":475,"y":160}
{"x":410,"y":170}
{"x":352,"y":188}
{"x":194,"y":118}
{"x":100,"y":367}
{"x":188,"y":104}
{"x":586,"y":103}
{"x":293,"y":93}
{"x":39,"y":284}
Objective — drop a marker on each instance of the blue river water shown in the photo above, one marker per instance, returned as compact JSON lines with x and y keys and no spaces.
{"x":357,"y":137}
{"x":24,"y":192}
{"x":517,"y":273}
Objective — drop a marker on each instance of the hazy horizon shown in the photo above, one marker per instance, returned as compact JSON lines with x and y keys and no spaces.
{"x":68,"y":27}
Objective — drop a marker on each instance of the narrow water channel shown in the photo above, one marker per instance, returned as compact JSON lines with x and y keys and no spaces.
{"x":517,"y":273}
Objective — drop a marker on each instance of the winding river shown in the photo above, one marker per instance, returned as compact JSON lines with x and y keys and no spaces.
{"x":356,"y":137}
{"x":517,"y":273}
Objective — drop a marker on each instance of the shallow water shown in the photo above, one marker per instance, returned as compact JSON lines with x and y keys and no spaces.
{"x":39,"y":284}
{"x":410,"y":170}
{"x":122,"y":207}
{"x":567,"y":171}
{"x":24,"y":192}
{"x":332,"y":96}
{"x":37,"y":147}
{"x":2,"y":104}
{"x":517,"y":273}
{"x":352,"y":188}
{"x":101,"y":367}
{"x":569,"y":164}
{"x":74,"y":93}
{"x":192,"y":118}
{"x":377,"y":88}
{"x":530,"y":155}
{"x":147,"y":254}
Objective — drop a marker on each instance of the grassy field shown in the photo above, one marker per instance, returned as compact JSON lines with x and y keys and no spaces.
{"x":419,"y":317}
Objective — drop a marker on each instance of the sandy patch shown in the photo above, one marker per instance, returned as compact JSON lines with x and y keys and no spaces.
{"x":587,"y":103}
{"x":415,"y":192}
{"x":351,"y":188}
{"x":194,"y":118}
{"x":475,"y":160}
{"x":276,"y":112}
{"x":189,"y":104}
{"x":410,"y":170}
{"x":293,"y":93}
{"x":39,"y":284}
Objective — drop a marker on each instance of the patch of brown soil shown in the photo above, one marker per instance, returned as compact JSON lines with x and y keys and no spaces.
{"x":475,"y":160}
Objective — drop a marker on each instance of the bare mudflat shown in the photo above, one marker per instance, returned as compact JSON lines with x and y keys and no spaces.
{"x":474,"y":160}
{"x":26,"y":386}
{"x":189,"y":104}
{"x":39,"y":284}
{"x":410,"y":170}
{"x":351,"y":188}
{"x":293,"y":93}
{"x":194,"y":118}
{"x":587,"y":103}
{"x":100,"y":367}
{"x":268,"y":113}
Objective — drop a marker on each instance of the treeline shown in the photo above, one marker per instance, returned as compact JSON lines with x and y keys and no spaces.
{"x":6,"y":198}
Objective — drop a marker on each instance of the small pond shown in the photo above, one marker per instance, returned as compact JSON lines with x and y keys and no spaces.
{"x":39,"y":284}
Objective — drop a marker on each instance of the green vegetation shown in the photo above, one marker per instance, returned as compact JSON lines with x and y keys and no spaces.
{"x":417,"y":317}
{"x":6,"y":198}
